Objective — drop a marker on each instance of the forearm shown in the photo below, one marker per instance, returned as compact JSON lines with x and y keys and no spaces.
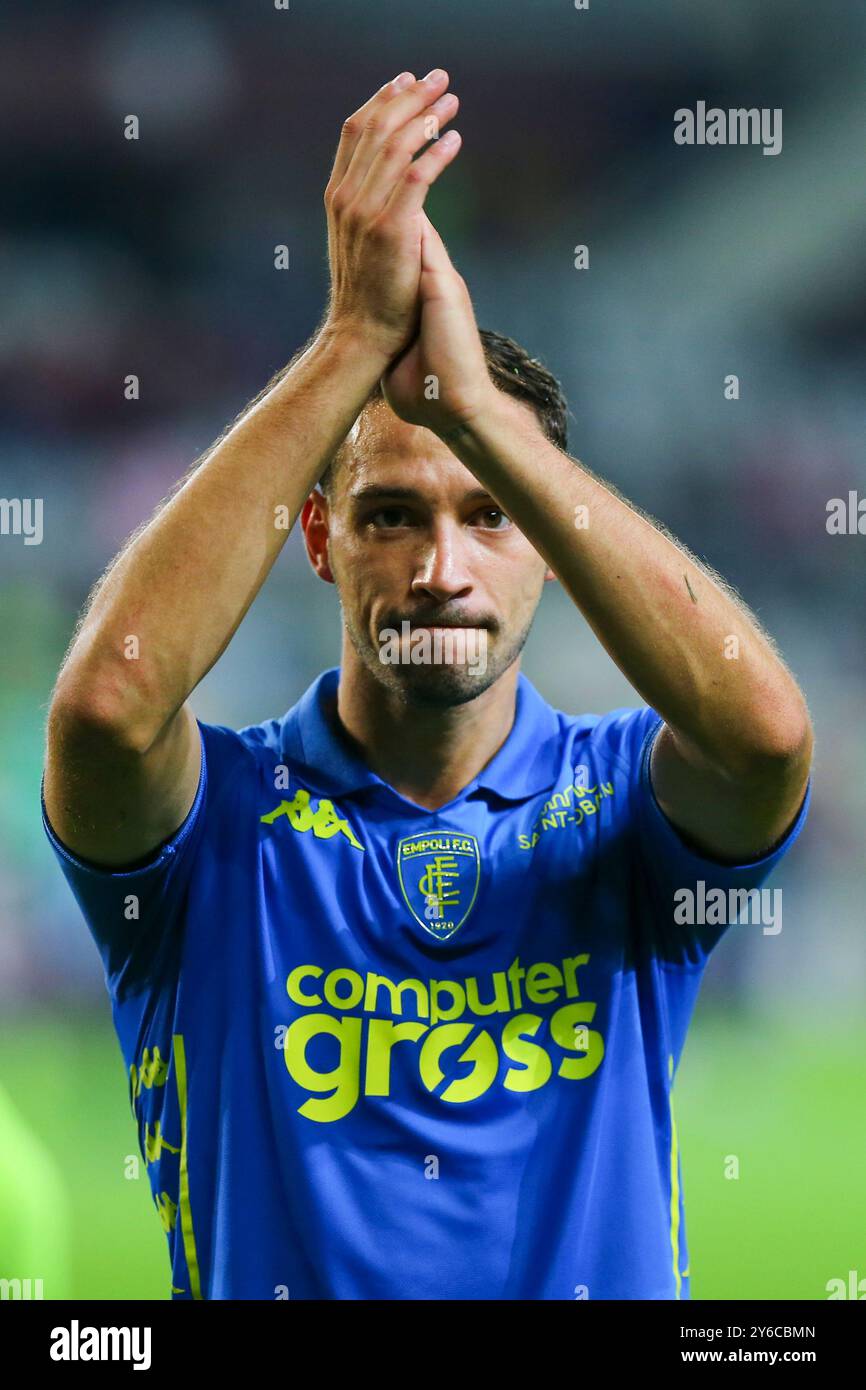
{"x":691,"y":650}
{"x":173,"y":599}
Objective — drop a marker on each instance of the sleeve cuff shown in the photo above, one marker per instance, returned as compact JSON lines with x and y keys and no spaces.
{"x":165,"y":851}
{"x":668,"y":834}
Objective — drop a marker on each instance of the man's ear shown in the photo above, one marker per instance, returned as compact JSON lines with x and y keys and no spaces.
{"x":548,"y":576}
{"x":314,"y":524}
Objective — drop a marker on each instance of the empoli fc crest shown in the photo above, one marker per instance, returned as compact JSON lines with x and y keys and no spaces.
{"x":439,"y":875}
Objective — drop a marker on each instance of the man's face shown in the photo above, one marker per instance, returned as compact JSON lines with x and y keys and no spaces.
{"x":438,"y":587}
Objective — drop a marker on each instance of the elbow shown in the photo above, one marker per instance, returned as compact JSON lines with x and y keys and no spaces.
{"x":795,"y":736}
{"x":780,"y":751}
{"x":88,"y":716}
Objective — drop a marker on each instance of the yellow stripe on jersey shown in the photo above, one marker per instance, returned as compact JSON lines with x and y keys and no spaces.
{"x":675,"y":1184}
{"x":183,"y":1196}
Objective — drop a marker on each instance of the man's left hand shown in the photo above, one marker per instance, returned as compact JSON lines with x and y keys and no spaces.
{"x":441,"y":380}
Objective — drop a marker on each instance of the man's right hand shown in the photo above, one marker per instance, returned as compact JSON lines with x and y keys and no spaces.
{"x":375,"y":203}
{"x":123,"y":757}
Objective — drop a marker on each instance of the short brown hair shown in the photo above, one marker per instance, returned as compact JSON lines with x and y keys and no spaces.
{"x":513,"y":371}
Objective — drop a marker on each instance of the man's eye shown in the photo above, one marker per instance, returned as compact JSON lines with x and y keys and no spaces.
{"x":388,"y":517}
{"x":492,"y":519}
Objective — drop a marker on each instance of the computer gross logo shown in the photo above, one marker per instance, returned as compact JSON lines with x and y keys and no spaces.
{"x":439,"y":876}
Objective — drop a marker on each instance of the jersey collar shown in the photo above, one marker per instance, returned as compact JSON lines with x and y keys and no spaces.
{"x":528,"y":762}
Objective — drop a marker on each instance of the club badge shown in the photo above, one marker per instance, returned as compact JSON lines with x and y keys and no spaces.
{"x":439,"y":874}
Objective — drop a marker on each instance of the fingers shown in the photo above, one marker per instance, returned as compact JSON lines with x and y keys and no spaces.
{"x":386,"y":117}
{"x":353,"y":127}
{"x":398,"y":151}
{"x":412,"y":187}
{"x":434,"y":256}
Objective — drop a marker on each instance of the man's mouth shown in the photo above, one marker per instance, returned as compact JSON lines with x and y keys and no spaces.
{"x":441,"y":625}
{"x":434,"y":643}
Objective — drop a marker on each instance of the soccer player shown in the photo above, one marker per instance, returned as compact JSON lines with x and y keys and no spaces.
{"x":402,"y":978}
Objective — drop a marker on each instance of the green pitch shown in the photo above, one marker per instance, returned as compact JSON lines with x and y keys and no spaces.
{"x":780,"y":1101}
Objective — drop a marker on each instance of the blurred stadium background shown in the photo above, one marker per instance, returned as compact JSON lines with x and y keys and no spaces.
{"x":156,"y":257}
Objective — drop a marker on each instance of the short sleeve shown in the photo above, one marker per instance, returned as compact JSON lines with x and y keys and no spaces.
{"x":134,"y":915}
{"x":697,"y":897}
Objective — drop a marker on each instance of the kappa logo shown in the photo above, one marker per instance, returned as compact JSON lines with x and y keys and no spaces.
{"x":439,"y":876}
{"x":322,"y":819}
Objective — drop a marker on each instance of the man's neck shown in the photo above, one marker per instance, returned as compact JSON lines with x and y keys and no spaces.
{"x":427,"y":755}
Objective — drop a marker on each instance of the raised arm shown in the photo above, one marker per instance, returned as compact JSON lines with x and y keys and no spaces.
{"x":123,"y":750}
{"x":731,"y":765}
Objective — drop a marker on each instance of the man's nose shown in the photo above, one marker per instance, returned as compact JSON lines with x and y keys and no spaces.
{"x":443,"y":571}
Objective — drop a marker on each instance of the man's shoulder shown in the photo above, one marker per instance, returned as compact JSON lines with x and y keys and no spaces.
{"x":266,"y":750}
{"x":275,"y":741}
{"x":620,"y":733}
{"x":236,"y":751}
{"x":266,"y":737}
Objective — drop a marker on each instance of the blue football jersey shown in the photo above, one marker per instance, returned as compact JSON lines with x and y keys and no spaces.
{"x":376,"y":1051}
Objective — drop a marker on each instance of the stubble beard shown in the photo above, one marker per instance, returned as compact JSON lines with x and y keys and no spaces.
{"x":437,"y":685}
